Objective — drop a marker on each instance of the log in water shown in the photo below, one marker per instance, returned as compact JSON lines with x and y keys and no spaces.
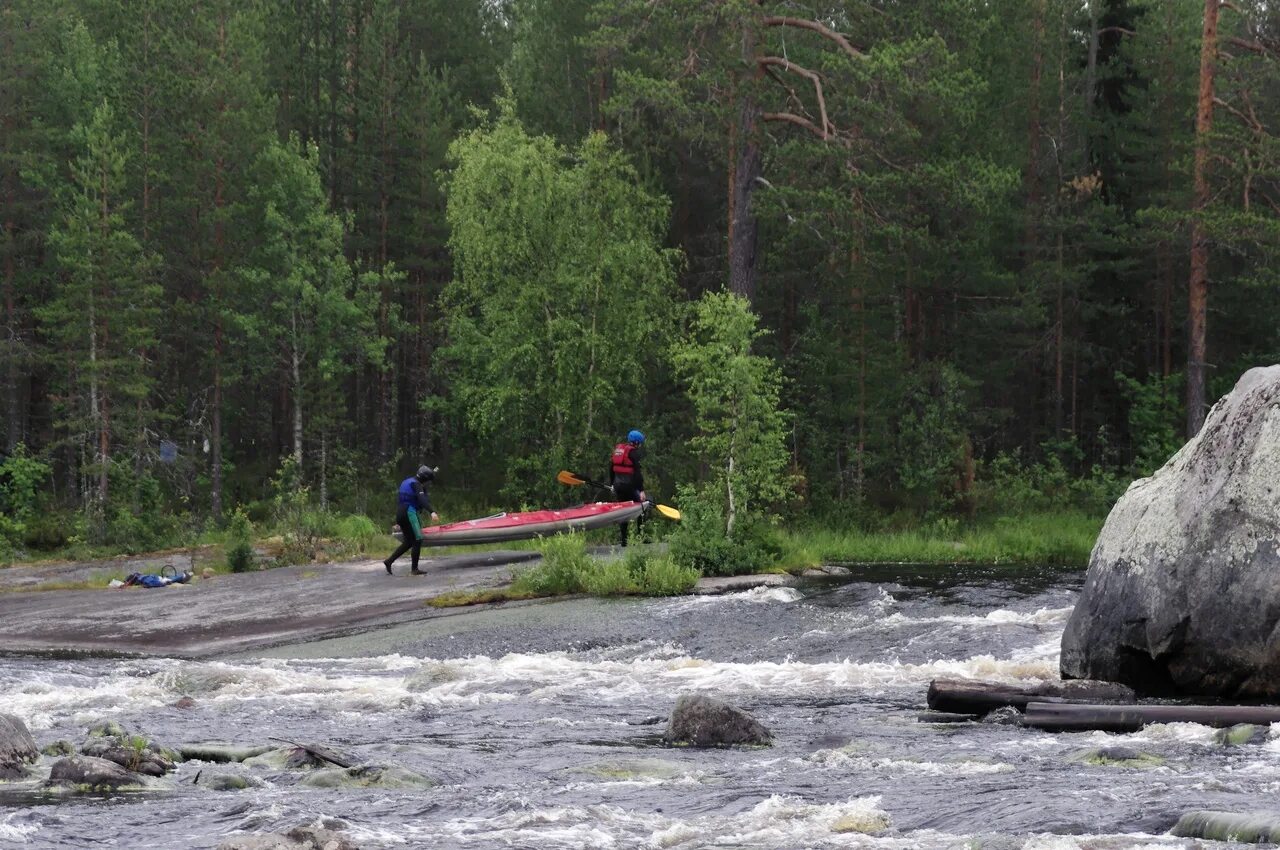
{"x":1077,"y":717}
{"x":970,"y":696}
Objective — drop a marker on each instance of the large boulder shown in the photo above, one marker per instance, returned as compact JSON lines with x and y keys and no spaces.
{"x":17,"y":747}
{"x":92,"y":774}
{"x":1183,"y":590}
{"x":701,"y":721}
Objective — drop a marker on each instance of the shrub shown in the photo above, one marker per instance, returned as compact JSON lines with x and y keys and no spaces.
{"x":240,"y":536}
{"x":664,"y":577}
{"x":700,"y":543}
{"x":610,"y":578}
{"x":563,"y":569}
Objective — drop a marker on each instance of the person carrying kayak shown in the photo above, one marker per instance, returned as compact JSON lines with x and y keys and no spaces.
{"x":412,"y":502}
{"x":625,"y":476}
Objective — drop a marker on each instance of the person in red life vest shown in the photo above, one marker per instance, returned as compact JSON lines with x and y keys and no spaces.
{"x":625,"y":476}
{"x":412,"y":502}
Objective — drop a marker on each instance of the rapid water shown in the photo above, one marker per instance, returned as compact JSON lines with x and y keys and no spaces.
{"x":538,"y":723}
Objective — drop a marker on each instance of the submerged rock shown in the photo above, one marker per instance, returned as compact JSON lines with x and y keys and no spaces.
{"x":298,"y":838}
{"x":17,"y":747}
{"x":227,"y":782}
{"x":1242,"y":733}
{"x":286,"y":758}
{"x":1118,"y":757}
{"x":366,"y":776}
{"x":92,"y":774}
{"x":702,"y":721}
{"x":106,"y":729}
{"x":1181,"y":596}
{"x":635,"y":770}
{"x":1261,"y":828}
{"x":220,"y":751}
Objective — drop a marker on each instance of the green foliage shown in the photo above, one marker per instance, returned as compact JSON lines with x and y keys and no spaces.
{"x":741,"y":428}
{"x":239,"y":542}
{"x":930,"y":450}
{"x":1009,"y":486}
{"x":700,"y":544}
{"x":21,"y":478}
{"x":1059,"y":537}
{"x":563,"y":570}
{"x":561,"y":297}
{"x":1155,"y":414}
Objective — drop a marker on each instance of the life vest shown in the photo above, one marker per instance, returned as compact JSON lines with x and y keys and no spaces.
{"x":406,"y":495}
{"x":622,"y":462}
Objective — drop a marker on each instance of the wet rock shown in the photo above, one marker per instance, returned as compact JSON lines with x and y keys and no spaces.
{"x":221,"y":752}
{"x":59,"y":748}
{"x":366,"y":776}
{"x":288,"y":758}
{"x":133,"y":753}
{"x":1118,"y":757}
{"x":106,"y":729}
{"x":185,"y":702}
{"x":945,"y":717}
{"x":92,"y":774}
{"x":1242,"y":733}
{"x":1181,"y":596}
{"x":1004,"y":716}
{"x":299,"y":838}
{"x":635,"y":769}
{"x":1262,"y":828}
{"x":702,"y":721}
{"x":17,"y":747}
{"x":226,"y":782}
{"x":652,"y":720}
{"x":868,"y":823}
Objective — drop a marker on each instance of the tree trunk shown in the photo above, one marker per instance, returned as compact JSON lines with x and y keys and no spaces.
{"x":1031,"y":176}
{"x":295,"y":374}
{"x":1198,"y":284}
{"x":747,"y":168}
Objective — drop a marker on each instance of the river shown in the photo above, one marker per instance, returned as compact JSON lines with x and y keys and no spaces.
{"x":538,"y":724}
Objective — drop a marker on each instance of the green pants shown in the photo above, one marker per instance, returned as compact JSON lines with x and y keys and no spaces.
{"x":416,"y":523}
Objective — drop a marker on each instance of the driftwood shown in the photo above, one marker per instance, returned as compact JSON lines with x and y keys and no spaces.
{"x":1077,"y":717}
{"x":969,"y":696}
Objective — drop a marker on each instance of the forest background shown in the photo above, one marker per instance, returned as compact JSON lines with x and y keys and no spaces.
{"x":863,"y":266}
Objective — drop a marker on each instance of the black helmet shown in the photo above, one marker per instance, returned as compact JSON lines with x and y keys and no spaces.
{"x":427,"y":473}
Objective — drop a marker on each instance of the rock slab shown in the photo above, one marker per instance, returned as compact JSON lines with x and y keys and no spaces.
{"x":702,"y":721}
{"x":17,"y":747}
{"x":1182,"y":596}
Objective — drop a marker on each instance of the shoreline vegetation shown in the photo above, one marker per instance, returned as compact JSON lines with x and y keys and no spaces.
{"x":1062,"y":538}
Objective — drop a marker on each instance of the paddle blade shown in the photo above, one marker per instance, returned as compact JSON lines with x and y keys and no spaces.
{"x":668,"y":512}
{"x":566,"y":477}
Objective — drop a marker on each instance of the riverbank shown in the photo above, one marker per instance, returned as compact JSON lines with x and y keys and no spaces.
{"x":1063,"y":539}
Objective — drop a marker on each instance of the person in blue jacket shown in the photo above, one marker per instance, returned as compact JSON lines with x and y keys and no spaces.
{"x":413,"y":501}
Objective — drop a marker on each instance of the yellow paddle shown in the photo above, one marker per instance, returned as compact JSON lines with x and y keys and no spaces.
{"x":572,"y":480}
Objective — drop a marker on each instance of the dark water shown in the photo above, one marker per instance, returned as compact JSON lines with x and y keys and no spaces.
{"x":533,"y":720}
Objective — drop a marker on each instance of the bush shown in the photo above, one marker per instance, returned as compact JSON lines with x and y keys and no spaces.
{"x":564,"y":567}
{"x":664,"y":577}
{"x":610,"y":578}
{"x":240,"y":537}
{"x":700,"y":543}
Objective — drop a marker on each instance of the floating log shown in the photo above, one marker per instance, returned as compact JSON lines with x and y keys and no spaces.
{"x":970,"y":696}
{"x":1077,"y":717}
{"x":1262,"y":828}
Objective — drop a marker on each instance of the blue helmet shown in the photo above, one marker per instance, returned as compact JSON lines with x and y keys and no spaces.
{"x":635,"y":437}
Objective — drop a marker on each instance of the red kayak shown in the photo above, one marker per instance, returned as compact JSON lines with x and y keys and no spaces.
{"x":526,"y":524}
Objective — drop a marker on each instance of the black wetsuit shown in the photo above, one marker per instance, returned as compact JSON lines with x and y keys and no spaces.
{"x":412,"y":494}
